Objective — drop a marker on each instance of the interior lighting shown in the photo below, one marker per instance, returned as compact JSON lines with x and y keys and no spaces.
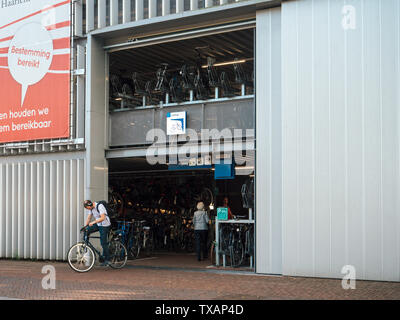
{"x":227,"y":63}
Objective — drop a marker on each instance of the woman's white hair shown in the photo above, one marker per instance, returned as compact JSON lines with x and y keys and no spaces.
{"x":200,"y":206}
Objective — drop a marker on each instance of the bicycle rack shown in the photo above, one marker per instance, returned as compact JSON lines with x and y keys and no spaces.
{"x":217,"y":237}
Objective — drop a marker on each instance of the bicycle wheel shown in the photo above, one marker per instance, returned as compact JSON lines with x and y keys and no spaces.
{"x":236,"y":253}
{"x":118,"y":254}
{"x":149,"y":247}
{"x":212,"y":253}
{"x":133,"y":245}
{"x":81,"y":257}
{"x":224,"y":239}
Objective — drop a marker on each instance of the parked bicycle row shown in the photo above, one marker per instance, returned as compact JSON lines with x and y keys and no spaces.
{"x":236,"y":241}
{"x":136,"y":196}
{"x":158,"y":232}
{"x":199,"y":80}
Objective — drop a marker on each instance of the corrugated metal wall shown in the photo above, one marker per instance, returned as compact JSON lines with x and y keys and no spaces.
{"x":40,"y":208}
{"x":269,"y":143}
{"x":103,"y":13}
{"x":341,"y":103}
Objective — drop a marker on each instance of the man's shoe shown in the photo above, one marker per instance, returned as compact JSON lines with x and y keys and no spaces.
{"x":105,"y":264}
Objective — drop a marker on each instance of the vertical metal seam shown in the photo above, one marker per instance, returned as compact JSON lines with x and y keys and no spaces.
{"x":363,"y":139}
{"x":330,"y":134}
{"x":381,"y":139}
{"x":346,"y":188}
{"x":270,"y":141}
{"x":313,"y":136}
{"x":297,"y":140}
{"x":398,"y":130}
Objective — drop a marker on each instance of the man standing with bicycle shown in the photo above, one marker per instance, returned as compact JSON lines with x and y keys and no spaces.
{"x":102,"y":224}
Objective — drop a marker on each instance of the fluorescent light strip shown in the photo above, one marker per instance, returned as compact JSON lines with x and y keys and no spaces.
{"x":226,"y":63}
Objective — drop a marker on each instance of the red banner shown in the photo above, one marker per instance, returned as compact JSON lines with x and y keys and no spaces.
{"x":34,"y":70}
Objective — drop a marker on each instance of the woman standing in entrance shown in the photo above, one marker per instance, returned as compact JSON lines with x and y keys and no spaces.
{"x":200,"y":222}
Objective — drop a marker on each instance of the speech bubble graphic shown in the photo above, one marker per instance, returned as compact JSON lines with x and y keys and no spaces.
{"x":30,"y":55}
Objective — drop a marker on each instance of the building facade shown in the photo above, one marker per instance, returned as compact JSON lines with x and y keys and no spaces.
{"x":322,"y":127}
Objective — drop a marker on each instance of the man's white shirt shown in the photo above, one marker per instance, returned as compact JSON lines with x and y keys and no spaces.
{"x":97,"y":215}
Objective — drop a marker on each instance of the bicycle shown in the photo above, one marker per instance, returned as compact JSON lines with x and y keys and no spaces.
{"x":82,"y":255}
{"x":231,"y":243}
{"x":140,"y":238}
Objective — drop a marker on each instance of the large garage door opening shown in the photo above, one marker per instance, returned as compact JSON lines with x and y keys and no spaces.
{"x":164,"y":97}
{"x":158,"y":205}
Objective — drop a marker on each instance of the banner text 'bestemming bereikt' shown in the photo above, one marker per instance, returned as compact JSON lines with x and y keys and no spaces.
{"x":35,"y":51}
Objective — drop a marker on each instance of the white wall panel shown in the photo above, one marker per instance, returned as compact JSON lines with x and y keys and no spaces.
{"x":33,"y":211}
{"x":3,"y":207}
{"x":341,"y":138}
{"x":27,"y":210}
{"x":114,"y":11}
{"x":41,"y":205}
{"x":8,"y":212}
{"x":89,"y":15}
{"x":321,"y":208}
{"x":126,"y":10}
{"x":268,"y":156}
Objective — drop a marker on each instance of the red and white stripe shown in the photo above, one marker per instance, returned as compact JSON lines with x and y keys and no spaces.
{"x":59,"y":31}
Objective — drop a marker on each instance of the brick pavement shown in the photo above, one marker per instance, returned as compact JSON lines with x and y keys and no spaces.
{"x":143,"y":280}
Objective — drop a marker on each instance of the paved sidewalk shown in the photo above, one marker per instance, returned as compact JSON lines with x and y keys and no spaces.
{"x":22,"y":280}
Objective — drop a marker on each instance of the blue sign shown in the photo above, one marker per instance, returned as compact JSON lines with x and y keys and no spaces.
{"x":176,"y":123}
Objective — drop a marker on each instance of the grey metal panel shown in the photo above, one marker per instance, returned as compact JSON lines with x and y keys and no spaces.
{"x":33,"y":210}
{"x":96,"y":120}
{"x":268,"y":211}
{"x":231,"y":115}
{"x":390,"y":96}
{"x":130,"y":127}
{"x":21,"y":219}
{"x":89,"y":15}
{"x":126,"y":11}
{"x":40,"y":208}
{"x":139,"y":9}
{"x":101,"y":7}
{"x":341,"y":138}
{"x":3,"y":220}
{"x":27,"y":210}
{"x":194,"y":4}
{"x":7,"y":212}
{"x":321,"y":148}
{"x":114,"y":12}
{"x":179,"y":6}
{"x":78,"y":21}
{"x":152,"y":8}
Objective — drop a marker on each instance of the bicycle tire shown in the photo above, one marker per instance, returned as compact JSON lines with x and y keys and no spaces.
{"x":133,"y":245}
{"x":212,"y":253}
{"x":236,"y":253}
{"x":118,"y":254}
{"x":82,"y":249}
{"x":149,"y":249}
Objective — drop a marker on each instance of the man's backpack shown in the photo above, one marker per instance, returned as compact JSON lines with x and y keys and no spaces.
{"x":110,"y":212}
